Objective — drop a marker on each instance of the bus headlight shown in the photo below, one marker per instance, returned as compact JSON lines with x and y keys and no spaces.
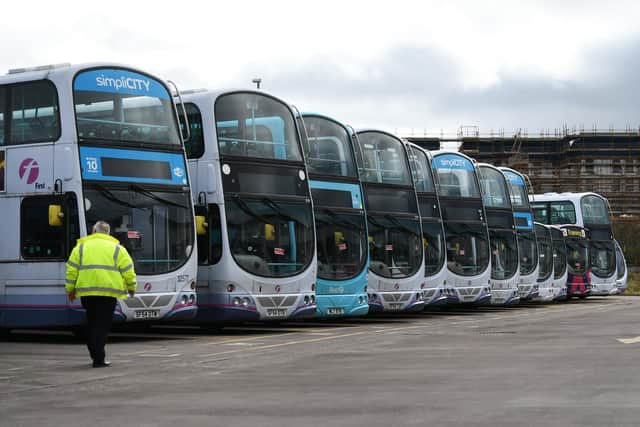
{"x":306,"y":299}
{"x":184,"y":299}
{"x":192,"y":299}
{"x":230,"y":287}
{"x":245,"y":302}
{"x":313,"y":299}
{"x":236,"y":301}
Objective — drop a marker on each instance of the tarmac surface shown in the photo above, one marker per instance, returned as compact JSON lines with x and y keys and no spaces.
{"x":572,"y":364}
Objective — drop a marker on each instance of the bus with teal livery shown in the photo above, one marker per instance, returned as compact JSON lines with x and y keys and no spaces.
{"x":505,"y":268}
{"x":340,"y":220}
{"x":527,"y":244}
{"x":396,"y":266}
{"x":436,"y":291}
{"x":465,"y":226}
{"x":254,"y":215}
{"x":84,"y":143}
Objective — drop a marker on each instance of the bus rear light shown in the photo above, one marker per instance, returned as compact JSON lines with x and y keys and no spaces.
{"x":230,"y":288}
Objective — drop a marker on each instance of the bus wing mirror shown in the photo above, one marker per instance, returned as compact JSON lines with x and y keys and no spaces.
{"x":201,"y":225}
{"x":55,"y":216}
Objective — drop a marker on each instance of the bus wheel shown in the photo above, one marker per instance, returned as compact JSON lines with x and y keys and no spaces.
{"x":582,"y":296}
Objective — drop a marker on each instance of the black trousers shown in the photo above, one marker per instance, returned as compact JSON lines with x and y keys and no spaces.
{"x":99,"y":317}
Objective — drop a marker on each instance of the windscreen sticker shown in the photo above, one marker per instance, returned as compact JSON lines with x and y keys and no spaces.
{"x":452,"y":161}
{"x":119,"y":81}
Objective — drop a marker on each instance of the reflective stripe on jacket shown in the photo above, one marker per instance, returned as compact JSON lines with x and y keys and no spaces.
{"x":100,"y":266}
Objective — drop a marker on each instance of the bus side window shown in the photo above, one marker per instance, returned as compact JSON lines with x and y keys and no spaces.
{"x":38,"y":239}
{"x":34,"y":112}
{"x":210,"y":244}
{"x":194,"y":146}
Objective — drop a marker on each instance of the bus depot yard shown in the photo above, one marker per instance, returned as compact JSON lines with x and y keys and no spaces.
{"x":532,"y":364}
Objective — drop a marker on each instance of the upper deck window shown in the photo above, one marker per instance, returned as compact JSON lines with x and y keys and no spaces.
{"x":421,"y":171}
{"x":383,"y":159}
{"x":563,"y":213}
{"x":118,"y":105}
{"x":29,"y":113}
{"x":194,"y":146}
{"x":456,"y":176}
{"x":256,"y":126}
{"x":494,"y":188}
{"x":328,"y":149}
{"x":594,"y":210}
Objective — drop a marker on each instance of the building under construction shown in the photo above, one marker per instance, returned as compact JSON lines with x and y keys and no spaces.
{"x":606,"y":162}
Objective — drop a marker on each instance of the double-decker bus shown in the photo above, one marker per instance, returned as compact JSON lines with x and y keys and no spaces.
{"x":85,"y":143}
{"x":256,"y":240}
{"x":435,"y":271}
{"x":527,"y":245}
{"x":578,"y":261}
{"x":559,"y":284}
{"x":341,"y":224}
{"x":591,"y":211}
{"x":621,"y":269}
{"x":396,"y":266}
{"x":545,"y":263}
{"x":465,"y":226}
{"x":505,"y":268}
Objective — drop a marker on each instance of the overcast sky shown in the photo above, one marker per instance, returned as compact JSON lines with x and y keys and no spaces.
{"x":396,"y":65}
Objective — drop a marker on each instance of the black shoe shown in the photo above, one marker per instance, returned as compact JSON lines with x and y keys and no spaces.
{"x":103,"y":364}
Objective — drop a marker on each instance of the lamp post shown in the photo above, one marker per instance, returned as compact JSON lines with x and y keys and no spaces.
{"x":257,"y":82}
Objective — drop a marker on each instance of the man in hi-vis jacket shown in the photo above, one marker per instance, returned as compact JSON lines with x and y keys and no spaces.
{"x":99,"y":270}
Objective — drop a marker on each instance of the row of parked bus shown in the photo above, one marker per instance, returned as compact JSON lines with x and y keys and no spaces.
{"x":235,"y":206}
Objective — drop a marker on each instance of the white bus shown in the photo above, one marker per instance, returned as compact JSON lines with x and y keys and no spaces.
{"x":560,"y":273}
{"x":621,"y":270}
{"x":435,"y":270}
{"x":591,"y":211}
{"x":256,"y":235}
{"x":465,"y":226}
{"x":545,"y":263}
{"x":527,"y":246}
{"x":396,"y":268}
{"x":505,"y":262}
{"x":84,"y":143}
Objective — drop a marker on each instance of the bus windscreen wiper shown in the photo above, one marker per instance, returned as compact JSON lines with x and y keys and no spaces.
{"x":155,"y":197}
{"x":107,"y":194}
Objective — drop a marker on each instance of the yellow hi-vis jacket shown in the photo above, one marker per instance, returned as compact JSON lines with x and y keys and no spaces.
{"x":99,"y":266}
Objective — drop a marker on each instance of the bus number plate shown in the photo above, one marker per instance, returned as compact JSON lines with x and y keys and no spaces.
{"x":276,"y":312}
{"x":147,"y":314}
{"x":468,"y":298}
{"x":498,"y":300}
{"x":335,"y":310}
{"x":396,"y":306}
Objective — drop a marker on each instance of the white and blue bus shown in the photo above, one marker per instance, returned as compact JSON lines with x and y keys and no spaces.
{"x":85,"y":143}
{"x":505,"y":268}
{"x":527,"y":245}
{"x":254,"y":216}
{"x":435,"y":270}
{"x":340,"y":220}
{"x":396,"y":269}
{"x":591,"y":211}
{"x":465,"y":226}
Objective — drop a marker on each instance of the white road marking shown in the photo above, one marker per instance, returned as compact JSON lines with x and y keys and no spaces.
{"x":629,"y":340}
